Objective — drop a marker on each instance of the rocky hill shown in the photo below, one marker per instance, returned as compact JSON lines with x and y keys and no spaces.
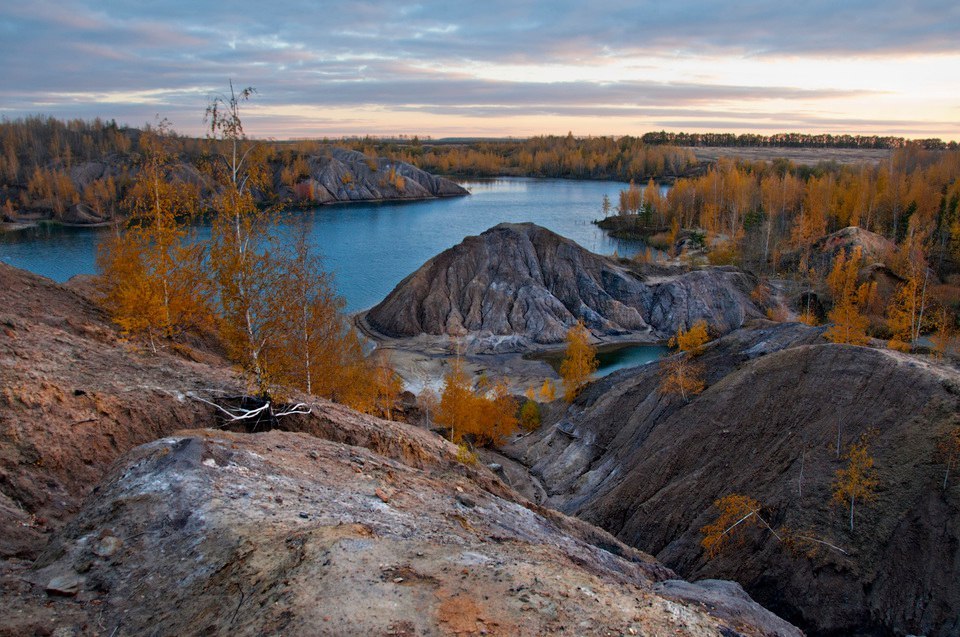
{"x":648,"y":467}
{"x":340,"y":175}
{"x":520,"y":285}
{"x":344,"y":524}
{"x":874,"y":248}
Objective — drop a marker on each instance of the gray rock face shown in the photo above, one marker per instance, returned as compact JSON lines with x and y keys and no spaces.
{"x":524,"y":281}
{"x":648,"y":467}
{"x":283,"y":533}
{"x":348,"y":175}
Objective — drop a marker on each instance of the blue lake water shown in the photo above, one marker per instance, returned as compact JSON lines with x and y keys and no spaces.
{"x":372,"y":247}
{"x":612,"y":359}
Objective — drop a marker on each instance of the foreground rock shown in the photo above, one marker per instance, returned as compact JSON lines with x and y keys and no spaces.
{"x":73,"y":396}
{"x":237,"y":534}
{"x":648,"y":468}
{"x":517,"y":286}
{"x":350,"y":525}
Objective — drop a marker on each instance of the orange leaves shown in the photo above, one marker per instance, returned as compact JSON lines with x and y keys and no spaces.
{"x":486,"y":416}
{"x":692,"y":340}
{"x":153,"y":277}
{"x":681,"y":374}
{"x":849,"y":323}
{"x":736,"y":514}
{"x":857,"y":481}
{"x":580,"y":362}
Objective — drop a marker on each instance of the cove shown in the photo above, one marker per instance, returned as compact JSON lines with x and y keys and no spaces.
{"x":372,"y":247}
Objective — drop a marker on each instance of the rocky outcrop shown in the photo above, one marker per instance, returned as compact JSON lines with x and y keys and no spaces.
{"x":73,"y":396}
{"x":875,"y":249}
{"x":338,"y":175}
{"x":648,"y":467}
{"x":521,"y":285}
{"x":347,"y":175}
{"x":236,"y":534}
{"x":345,"y":524}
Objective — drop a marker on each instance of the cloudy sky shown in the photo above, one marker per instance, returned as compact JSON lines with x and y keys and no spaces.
{"x":492,"y":68}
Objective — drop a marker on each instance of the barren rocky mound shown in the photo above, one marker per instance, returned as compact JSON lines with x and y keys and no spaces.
{"x":353,"y":525}
{"x":874,"y":248}
{"x":73,"y":396}
{"x":648,"y":467}
{"x":339,"y":176}
{"x":280,"y":533}
{"x":347,"y":175}
{"x":519,"y":285}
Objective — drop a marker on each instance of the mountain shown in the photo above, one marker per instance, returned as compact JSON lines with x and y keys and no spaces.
{"x":518,"y":286}
{"x":779,"y":399}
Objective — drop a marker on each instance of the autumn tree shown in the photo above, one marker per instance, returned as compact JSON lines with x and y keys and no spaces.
{"x":427,"y":401}
{"x":579,"y":363}
{"x":856,"y":481}
{"x":530,"y":415}
{"x":849,"y":323}
{"x":313,"y":348}
{"x":548,"y":393}
{"x":486,"y":415}
{"x":153,"y":276}
{"x":456,"y":401}
{"x":682,"y":374}
{"x":737,"y":513}
{"x":692,"y":340}
{"x":943,"y":337}
{"x":245,"y":274}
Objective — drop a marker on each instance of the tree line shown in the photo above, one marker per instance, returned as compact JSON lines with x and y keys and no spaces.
{"x":792,"y":140}
{"x":620,"y":158}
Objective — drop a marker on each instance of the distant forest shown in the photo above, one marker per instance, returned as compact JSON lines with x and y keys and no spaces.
{"x":50,"y":166}
{"x":792,"y":140}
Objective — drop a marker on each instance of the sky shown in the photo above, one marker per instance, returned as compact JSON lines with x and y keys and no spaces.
{"x":494,"y":68}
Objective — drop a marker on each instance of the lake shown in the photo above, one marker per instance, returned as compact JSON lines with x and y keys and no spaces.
{"x":613,"y":357}
{"x":371,"y":247}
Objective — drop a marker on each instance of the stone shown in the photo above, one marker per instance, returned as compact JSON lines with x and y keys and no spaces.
{"x":67,"y":585}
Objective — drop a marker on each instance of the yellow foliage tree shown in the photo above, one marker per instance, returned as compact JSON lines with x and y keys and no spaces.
{"x":548,"y":392}
{"x":901,"y":316}
{"x":153,"y":277}
{"x":849,"y":323}
{"x":456,"y":401}
{"x":692,"y":340}
{"x":857,"y":481}
{"x":943,"y":337}
{"x":681,"y":375}
{"x":486,"y":416}
{"x":579,"y":363}
{"x":530,"y":415}
{"x":736,"y":514}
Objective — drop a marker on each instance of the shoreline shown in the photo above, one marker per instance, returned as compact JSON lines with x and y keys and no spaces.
{"x":423,"y":360}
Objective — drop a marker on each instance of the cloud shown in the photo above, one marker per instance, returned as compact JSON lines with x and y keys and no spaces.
{"x":457,"y":60}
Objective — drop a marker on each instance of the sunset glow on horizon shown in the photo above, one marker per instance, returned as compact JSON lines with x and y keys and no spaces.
{"x":495,"y":69}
